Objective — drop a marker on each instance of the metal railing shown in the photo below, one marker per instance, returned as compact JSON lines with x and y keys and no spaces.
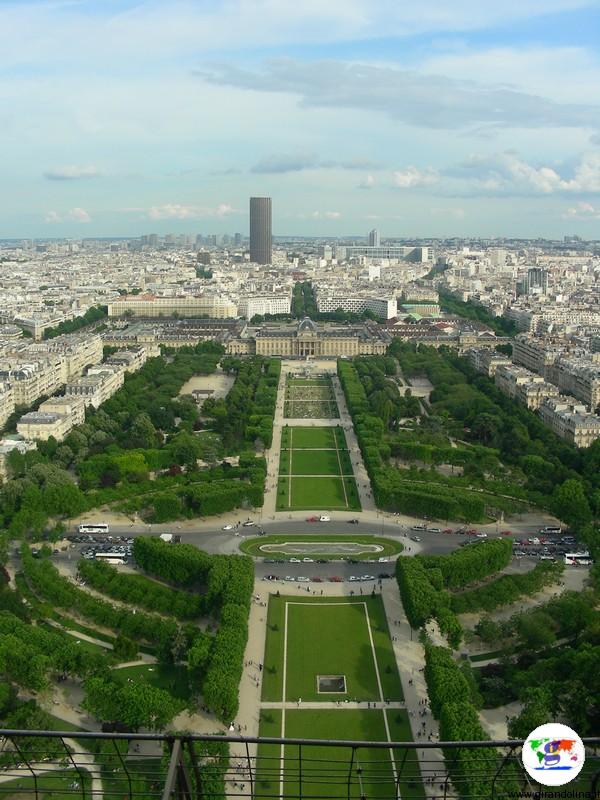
{"x":129,"y":766}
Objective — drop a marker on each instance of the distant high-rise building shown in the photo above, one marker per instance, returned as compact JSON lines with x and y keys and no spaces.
{"x":237,"y":239}
{"x":260,"y":230}
{"x":153,"y":240}
{"x":374,"y":238}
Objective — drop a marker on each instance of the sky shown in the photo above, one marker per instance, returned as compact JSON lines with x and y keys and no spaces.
{"x":420,"y":118}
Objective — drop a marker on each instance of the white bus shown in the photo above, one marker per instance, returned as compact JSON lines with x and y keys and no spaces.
{"x":578,"y":559}
{"x":93,"y":527}
{"x":552,"y":529}
{"x":111,"y":557}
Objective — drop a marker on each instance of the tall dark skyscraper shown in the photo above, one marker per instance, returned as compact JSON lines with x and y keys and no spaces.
{"x":260,"y":230}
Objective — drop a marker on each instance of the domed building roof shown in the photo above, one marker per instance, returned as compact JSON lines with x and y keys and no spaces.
{"x":307,"y":325}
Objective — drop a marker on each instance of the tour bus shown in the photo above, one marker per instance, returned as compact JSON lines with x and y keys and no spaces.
{"x":93,"y":527}
{"x":111,"y":558}
{"x":578,"y":559}
{"x":551,"y":529}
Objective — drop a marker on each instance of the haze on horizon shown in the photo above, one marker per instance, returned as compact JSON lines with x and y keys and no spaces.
{"x":420,"y":119}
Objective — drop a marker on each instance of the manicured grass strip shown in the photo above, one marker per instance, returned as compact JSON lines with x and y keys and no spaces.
{"x":306,"y":437}
{"x":253,"y":546}
{"x":325,"y":640}
{"x":268,"y":757}
{"x":329,"y":640}
{"x":319,"y":493}
{"x":315,"y":462}
{"x":407,"y":763}
{"x":272,"y":682}
{"x":325,"y":769}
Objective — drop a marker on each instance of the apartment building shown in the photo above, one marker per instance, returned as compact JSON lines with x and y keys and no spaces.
{"x":152,"y":306}
{"x":97,"y":386}
{"x":44,"y":424}
{"x":579,"y":377}
{"x":262,"y":304}
{"x":534,"y":353}
{"x":39,"y":378}
{"x":7,"y":402}
{"x":383,"y":307}
{"x":508,"y":378}
{"x":129,"y":360}
{"x":72,"y":407}
{"x":570,"y":420}
{"x":533,"y":393}
{"x":487,"y":361}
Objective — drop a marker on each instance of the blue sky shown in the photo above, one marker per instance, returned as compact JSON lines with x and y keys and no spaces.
{"x":422,"y":118}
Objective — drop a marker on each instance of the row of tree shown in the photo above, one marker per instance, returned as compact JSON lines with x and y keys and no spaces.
{"x":29,"y":654}
{"x":228,"y":583}
{"x":49,"y":584}
{"x":473,"y":771}
{"x":93,"y":314}
{"x":141,"y":591}
{"x":507,"y":588}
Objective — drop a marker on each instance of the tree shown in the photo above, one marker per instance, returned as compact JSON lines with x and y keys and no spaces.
{"x":536,"y":630}
{"x":536,"y":712}
{"x":570,"y":504}
{"x":142,"y":432}
{"x":135,"y":704}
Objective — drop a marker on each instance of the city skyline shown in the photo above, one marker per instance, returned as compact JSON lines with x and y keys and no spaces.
{"x":411,"y":120}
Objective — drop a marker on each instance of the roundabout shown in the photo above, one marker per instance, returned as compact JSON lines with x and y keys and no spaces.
{"x":359,"y":547}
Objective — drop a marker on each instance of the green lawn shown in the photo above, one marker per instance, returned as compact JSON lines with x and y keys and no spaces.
{"x":268,"y":756}
{"x":325,"y":770}
{"x":328,"y":639}
{"x":315,"y":462}
{"x":307,"y":437}
{"x":318,"y":493}
{"x":172,"y":678}
{"x":253,"y":546}
{"x":407,"y":762}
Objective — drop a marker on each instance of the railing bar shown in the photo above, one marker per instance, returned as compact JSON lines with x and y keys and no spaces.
{"x":175,"y":745}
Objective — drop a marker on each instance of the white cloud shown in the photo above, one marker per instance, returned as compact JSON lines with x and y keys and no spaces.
{"x":72,"y":172}
{"x":326,"y":215}
{"x":411,"y":177}
{"x":109,"y":32}
{"x":423,"y":100}
{"x":368,"y":183}
{"x":179,"y":211}
{"x":453,"y":212}
{"x":582,"y":211}
{"x":78,"y":215}
{"x":509,"y":173}
{"x":74,"y":215}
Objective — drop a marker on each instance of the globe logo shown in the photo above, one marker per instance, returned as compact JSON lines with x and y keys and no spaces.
{"x":553,"y":754}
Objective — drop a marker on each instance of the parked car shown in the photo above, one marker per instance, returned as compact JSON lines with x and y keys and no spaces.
{"x":295,"y":561}
{"x":318,"y":580}
{"x":383,"y":575}
{"x":353,"y":521}
{"x":323,"y":518}
{"x":434,"y":530}
{"x":449,"y":530}
{"x":416,"y":538}
{"x":289,"y":578}
{"x":353,"y":578}
{"x":312,"y":519}
{"x":302,"y":579}
{"x":249,"y":524}
{"x":308,"y":560}
{"x":506,"y":533}
{"x":227,"y":528}
{"x":367,"y":577}
{"x":322,"y":561}
{"x":482,"y":535}
{"x":271,"y":578}
{"x":419,"y":528}
{"x":335,"y":579}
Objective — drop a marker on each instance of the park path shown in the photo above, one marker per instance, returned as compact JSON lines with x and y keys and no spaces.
{"x":363,"y":482}
{"x":410,"y":657}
